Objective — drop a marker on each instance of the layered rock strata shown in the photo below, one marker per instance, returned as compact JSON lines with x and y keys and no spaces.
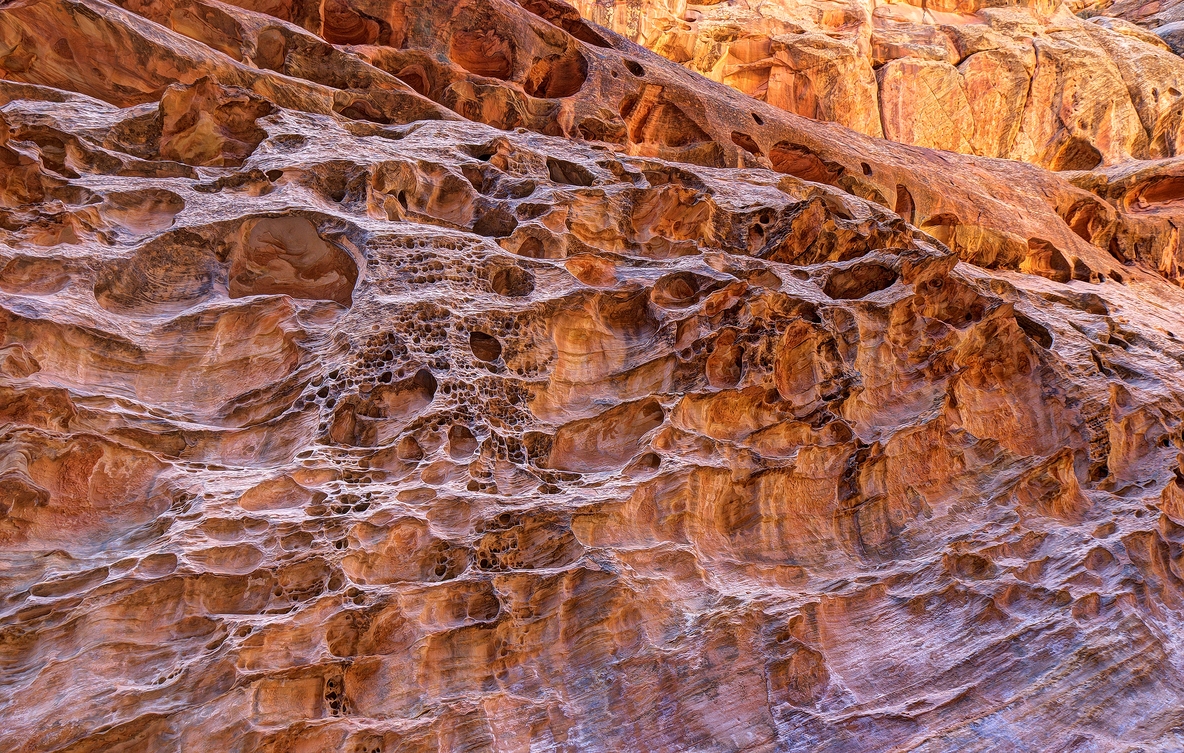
{"x":1028,"y":81}
{"x":417,"y":376}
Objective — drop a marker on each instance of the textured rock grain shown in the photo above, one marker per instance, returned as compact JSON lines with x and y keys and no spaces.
{"x":409,"y":376}
{"x":1028,"y":80}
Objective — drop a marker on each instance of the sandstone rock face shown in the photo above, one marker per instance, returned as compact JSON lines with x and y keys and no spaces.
{"x":413,"y":376}
{"x":1027,"y":81}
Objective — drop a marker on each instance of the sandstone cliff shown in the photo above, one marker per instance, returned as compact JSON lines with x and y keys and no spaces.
{"x":423,"y":376}
{"x":1028,"y":81}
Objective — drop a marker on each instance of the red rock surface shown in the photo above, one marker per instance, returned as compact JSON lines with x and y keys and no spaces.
{"x":1029,"y":81}
{"x":407,"y":376}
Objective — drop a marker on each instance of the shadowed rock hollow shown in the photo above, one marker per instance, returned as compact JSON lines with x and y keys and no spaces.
{"x":408,"y":376}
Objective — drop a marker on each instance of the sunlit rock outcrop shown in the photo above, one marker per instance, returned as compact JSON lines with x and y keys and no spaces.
{"x":1029,"y":81}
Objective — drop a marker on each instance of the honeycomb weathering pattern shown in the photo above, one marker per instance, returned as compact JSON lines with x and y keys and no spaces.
{"x":426,"y":376}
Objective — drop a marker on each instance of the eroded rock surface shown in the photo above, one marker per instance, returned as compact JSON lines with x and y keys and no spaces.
{"x":1030,"y":81}
{"x":415,"y":376}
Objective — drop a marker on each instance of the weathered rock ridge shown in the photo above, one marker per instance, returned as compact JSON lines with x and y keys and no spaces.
{"x":408,"y":376}
{"x":1029,"y":81}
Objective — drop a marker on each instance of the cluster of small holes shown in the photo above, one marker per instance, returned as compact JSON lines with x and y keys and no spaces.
{"x":385,"y":358}
{"x":423,"y":336}
{"x":445,"y":419}
{"x":418,"y":263}
{"x":371,"y":745}
{"x":321,"y":391}
{"x":501,"y":403}
{"x":760,"y":222}
{"x":507,"y":447}
{"x":349,"y":503}
{"x":498,"y":551}
{"x":443,"y":566}
{"x":526,"y":347}
{"x":286,"y":598}
{"x":500,"y":522}
{"x":335,"y":696}
{"x":165,"y":679}
{"x":359,"y":476}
